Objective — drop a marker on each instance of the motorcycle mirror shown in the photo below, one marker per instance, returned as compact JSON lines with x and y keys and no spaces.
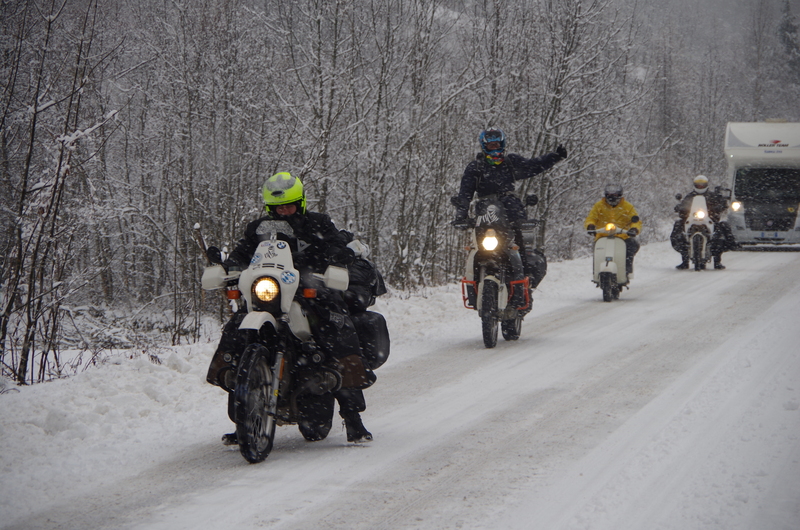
{"x":532,"y":200}
{"x":635,"y":219}
{"x":214,"y":255}
{"x":335,"y":278}
{"x":678,"y":196}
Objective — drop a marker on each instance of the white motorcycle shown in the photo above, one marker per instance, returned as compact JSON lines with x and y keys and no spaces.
{"x":280,"y":378}
{"x":698,"y":229}
{"x":610,"y":272}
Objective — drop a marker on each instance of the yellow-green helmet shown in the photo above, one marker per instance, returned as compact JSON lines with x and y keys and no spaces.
{"x":283,"y":188}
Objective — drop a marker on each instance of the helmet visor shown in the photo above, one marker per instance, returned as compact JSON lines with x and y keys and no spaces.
{"x":494,"y":145}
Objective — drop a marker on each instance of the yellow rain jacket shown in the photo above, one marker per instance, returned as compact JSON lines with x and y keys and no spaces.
{"x":621,"y":214}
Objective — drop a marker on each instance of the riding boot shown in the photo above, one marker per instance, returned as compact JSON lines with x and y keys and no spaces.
{"x":685,"y":263}
{"x":718,"y":263}
{"x":356,"y":432}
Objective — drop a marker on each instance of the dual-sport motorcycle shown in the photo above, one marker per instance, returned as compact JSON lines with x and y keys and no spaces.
{"x":281,"y":377}
{"x":609,"y":265}
{"x":698,"y":229}
{"x":494,"y":283}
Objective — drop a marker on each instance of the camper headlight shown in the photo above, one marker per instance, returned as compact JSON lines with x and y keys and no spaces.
{"x":736,"y":206}
{"x":266,"y":289}
{"x":490,"y":240}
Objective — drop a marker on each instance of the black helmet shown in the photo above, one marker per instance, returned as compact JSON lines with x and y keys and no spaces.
{"x":613,"y":194}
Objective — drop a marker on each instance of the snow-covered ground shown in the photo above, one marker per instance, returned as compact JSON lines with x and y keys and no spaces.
{"x":676,"y":407}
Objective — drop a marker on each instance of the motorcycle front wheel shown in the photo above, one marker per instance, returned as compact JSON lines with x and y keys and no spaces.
{"x":488,"y":312}
{"x":253,"y":410}
{"x":609,"y":287}
{"x":697,"y":252}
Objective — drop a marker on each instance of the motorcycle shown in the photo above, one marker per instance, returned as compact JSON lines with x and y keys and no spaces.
{"x":609,"y":270}
{"x":698,"y":229}
{"x":494,"y":283}
{"x":280,"y":378}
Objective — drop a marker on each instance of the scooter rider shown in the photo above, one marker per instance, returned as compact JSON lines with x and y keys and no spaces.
{"x":717,"y":204}
{"x":493,"y":172}
{"x":320,"y":244}
{"x":613,"y":208}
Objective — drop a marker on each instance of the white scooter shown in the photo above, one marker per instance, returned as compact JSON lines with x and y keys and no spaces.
{"x":610,"y":272}
{"x":699,"y":229}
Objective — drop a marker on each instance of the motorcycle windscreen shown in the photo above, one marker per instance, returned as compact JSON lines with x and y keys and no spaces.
{"x":278,"y":229}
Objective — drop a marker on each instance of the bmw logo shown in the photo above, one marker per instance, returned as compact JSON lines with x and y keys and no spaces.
{"x":281,"y":244}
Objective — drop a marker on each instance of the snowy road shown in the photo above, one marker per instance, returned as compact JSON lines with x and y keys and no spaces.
{"x":676,"y":407}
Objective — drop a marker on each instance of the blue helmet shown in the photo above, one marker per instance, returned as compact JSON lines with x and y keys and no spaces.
{"x":493,"y":144}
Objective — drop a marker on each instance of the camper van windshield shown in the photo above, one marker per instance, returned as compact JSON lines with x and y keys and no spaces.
{"x":774,"y":185}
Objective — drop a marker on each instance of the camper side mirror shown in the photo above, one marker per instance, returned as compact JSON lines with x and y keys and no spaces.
{"x":532,"y":200}
{"x":725,"y":193}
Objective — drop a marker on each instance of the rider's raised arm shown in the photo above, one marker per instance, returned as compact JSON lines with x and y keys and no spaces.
{"x":525,"y":168}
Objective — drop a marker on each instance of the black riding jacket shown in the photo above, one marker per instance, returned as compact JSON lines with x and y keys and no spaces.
{"x":320,"y":242}
{"x":487,"y":179}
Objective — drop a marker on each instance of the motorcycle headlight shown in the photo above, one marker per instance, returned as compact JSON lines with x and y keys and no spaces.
{"x":266,"y":289}
{"x":610,"y":227}
{"x":490,"y":240}
{"x":736,"y":206}
{"x":699,"y":214}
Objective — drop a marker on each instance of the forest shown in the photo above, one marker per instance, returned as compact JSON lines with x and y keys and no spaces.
{"x":131,"y":129}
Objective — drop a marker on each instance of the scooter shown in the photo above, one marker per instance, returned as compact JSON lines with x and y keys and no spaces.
{"x":610,"y":272}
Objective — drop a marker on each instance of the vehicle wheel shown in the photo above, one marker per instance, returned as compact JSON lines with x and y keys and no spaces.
{"x":607,"y":284}
{"x":512,"y":328}
{"x":697,"y":253}
{"x":254,"y":413}
{"x":316,"y":416}
{"x":488,"y":313}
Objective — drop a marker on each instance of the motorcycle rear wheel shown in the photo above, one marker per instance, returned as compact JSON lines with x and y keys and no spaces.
{"x":512,"y":328}
{"x":488,"y":312}
{"x":254,"y":410}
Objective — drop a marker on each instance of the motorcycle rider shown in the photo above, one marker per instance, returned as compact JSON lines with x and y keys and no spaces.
{"x":320,"y":243}
{"x":721,"y":240}
{"x":613,"y":208}
{"x":494,"y":172}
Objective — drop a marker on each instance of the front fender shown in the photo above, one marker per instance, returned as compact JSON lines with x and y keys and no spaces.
{"x":609,"y":266}
{"x":256,"y":319}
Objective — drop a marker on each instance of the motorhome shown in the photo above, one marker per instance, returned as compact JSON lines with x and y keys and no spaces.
{"x":764,"y":172}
